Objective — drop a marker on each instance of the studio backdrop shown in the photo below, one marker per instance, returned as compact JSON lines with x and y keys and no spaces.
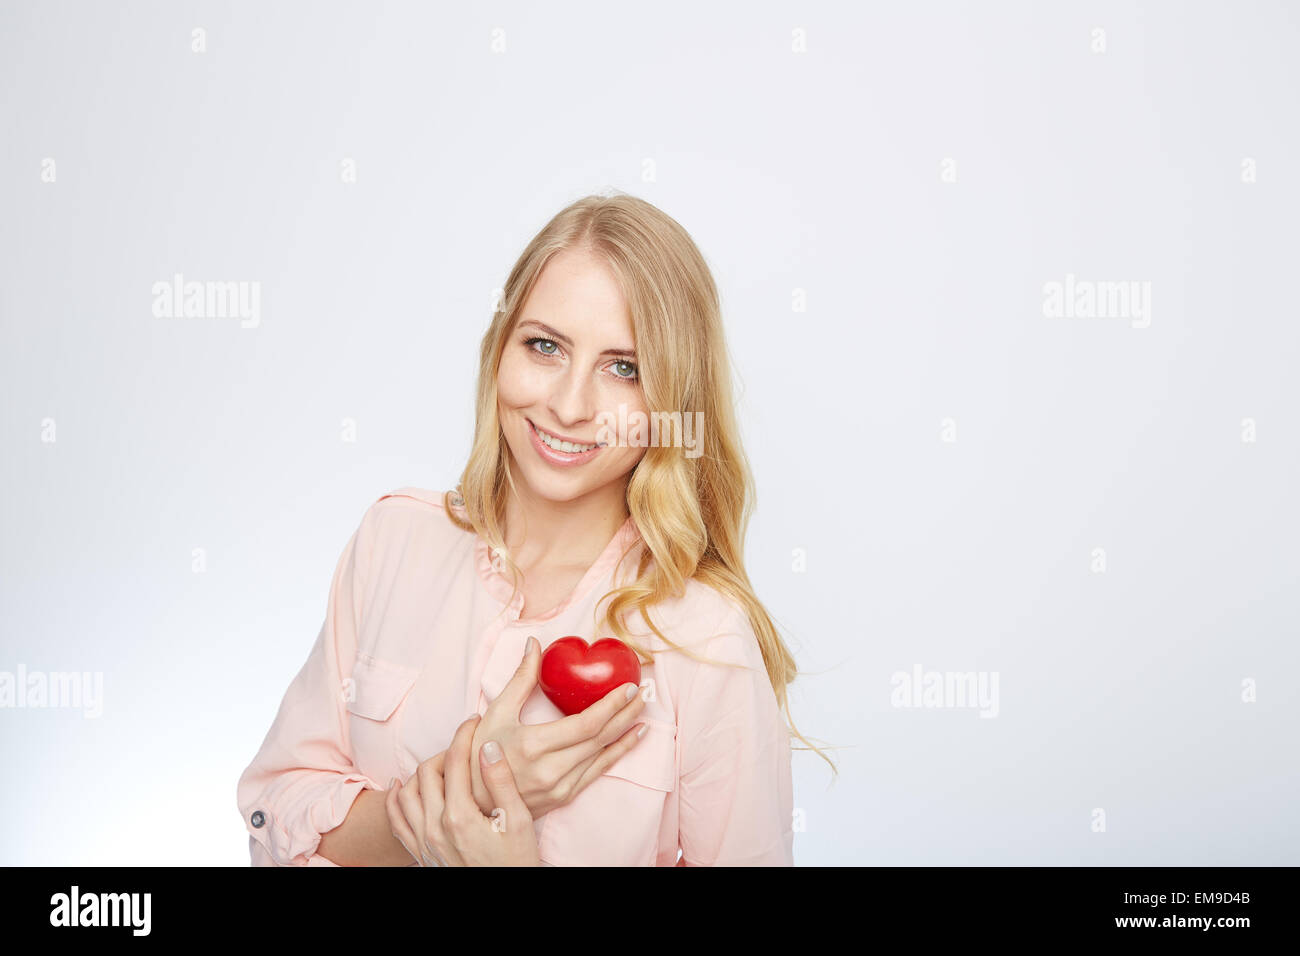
{"x":1008,"y":290}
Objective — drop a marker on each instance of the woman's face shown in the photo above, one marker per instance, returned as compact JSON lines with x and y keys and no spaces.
{"x":560,"y":370}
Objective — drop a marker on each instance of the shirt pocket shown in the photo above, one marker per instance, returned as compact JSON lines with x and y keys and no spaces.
{"x":378,"y":687}
{"x":615,"y":821}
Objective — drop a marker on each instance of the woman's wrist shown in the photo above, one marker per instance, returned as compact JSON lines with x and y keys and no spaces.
{"x":365,"y":837}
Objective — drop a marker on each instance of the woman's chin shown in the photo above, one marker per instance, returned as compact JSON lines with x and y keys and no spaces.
{"x":548,"y":485}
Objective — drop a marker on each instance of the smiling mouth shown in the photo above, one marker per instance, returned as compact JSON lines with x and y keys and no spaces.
{"x":563,"y":447}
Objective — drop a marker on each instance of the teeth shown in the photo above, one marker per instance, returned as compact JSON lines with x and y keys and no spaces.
{"x":564,"y":446}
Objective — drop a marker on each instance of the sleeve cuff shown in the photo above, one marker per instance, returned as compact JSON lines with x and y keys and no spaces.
{"x":273,"y":842}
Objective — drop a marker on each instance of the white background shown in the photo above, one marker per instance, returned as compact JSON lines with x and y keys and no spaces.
{"x":817,"y":171}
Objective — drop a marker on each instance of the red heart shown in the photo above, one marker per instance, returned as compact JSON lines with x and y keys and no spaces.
{"x":574,"y":676}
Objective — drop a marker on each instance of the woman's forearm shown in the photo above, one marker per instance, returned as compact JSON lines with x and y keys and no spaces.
{"x":365,"y":837}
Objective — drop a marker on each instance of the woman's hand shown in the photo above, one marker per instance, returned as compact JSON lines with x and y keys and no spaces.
{"x":434,"y":815}
{"x":553,"y":762}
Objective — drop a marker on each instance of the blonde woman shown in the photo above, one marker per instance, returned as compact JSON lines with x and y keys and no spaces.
{"x":606,"y":495}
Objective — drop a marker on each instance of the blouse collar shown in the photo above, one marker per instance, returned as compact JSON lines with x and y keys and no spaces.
{"x":501,"y":658}
{"x":495,"y":575}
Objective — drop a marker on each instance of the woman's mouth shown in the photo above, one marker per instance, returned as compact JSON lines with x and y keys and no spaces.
{"x":557,"y":451}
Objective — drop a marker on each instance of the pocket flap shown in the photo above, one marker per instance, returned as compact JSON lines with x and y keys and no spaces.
{"x":378,"y":687}
{"x":652,"y":761}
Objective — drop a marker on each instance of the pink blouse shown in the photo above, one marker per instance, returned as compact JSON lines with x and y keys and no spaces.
{"x":420,"y":633}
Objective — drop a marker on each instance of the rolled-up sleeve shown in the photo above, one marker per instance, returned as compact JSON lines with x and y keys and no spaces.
{"x":302,"y":782}
{"x":736,"y":788}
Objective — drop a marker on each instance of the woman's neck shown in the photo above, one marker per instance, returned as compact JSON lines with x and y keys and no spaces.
{"x":565,"y":533}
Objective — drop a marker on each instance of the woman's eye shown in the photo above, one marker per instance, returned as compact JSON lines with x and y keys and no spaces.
{"x":627,"y":371}
{"x":533,"y":343}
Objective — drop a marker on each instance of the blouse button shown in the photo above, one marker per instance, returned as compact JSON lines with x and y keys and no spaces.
{"x":258,"y":818}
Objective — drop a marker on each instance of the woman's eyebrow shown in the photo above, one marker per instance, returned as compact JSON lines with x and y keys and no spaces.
{"x":561,"y":337}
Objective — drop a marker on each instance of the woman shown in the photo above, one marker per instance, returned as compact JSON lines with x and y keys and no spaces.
{"x":606,"y":489}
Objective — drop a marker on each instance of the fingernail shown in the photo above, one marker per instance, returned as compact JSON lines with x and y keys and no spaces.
{"x":491,"y":751}
{"x":641,"y":732}
{"x":631,"y":691}
{"x":532,"y":644}
{"x":392,"y":783}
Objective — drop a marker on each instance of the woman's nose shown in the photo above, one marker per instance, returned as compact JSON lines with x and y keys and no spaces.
{"x":573,"y":400}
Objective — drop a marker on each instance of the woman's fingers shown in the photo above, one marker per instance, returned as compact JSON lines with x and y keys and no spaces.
{"x":573,"y":782}
{"x":397,"y":821}
{"x":460,"y":810}
{"x":577,"y":779}
{"x":509,"y":812}
{"x":521,"y":685}
{"x":589,"y":730}
{"x":430,"y":777}
{"x":612,"y":730}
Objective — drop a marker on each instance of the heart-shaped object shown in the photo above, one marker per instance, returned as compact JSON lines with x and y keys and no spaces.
{"x":574,"y":675}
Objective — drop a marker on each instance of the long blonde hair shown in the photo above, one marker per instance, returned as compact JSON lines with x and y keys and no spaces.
{"x":692,"y":513}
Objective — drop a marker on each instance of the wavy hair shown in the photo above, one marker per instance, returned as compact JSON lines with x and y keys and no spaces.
{"x":692,"y":513}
